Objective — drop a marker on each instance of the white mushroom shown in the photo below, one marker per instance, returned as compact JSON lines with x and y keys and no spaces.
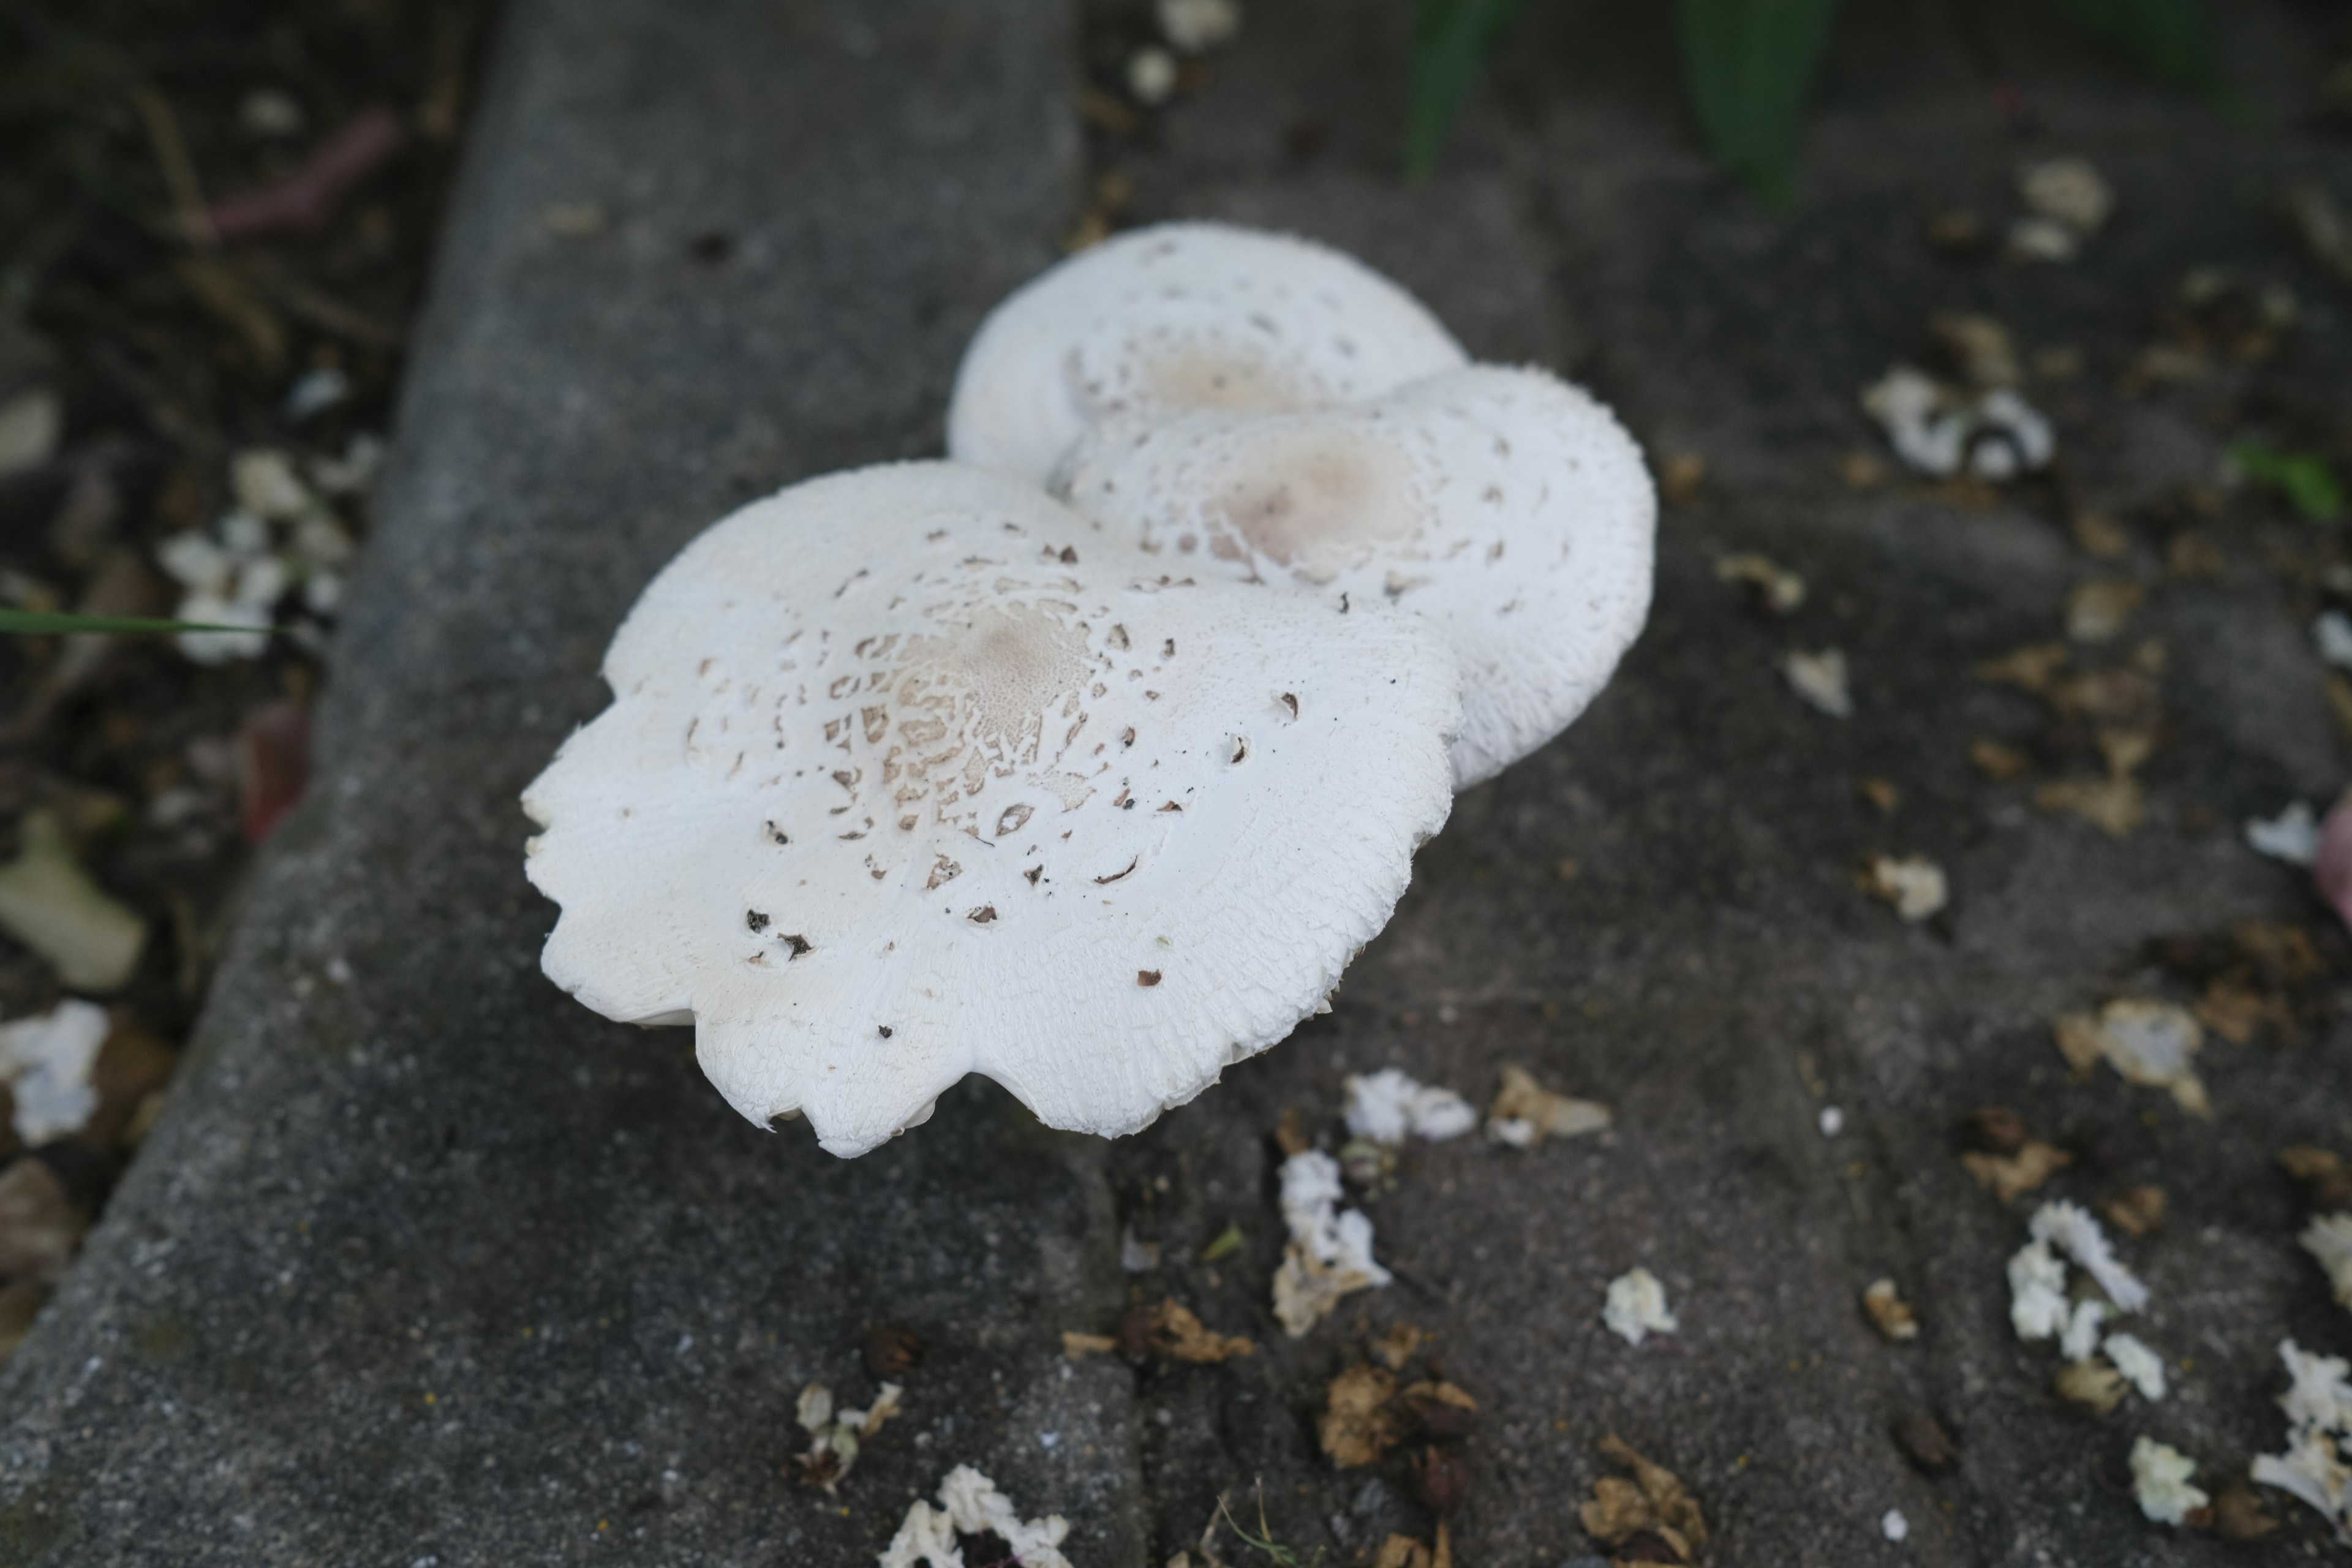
{"x":1177,"y":317}
{"x":1510,"y":508}
{"x":899,"y":785}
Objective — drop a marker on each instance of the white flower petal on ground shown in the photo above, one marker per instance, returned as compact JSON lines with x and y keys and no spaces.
{"x":1637,"y":1307}
{"x":2292,"y":835}
{"x":2160,"y":1482}
{"x":1329,"y":1254}
{"x":46,"y":1061}
{"x":2072,"y":1229}
{"x":1391,"y":1105}
{"x":1176,"y":316}
{"x":895,"y":788}
{"x":2331,"y":633}
{"x":2082,"y":1335}
{"x":1821,"y":680}
{"x":2037,"y":1292}
{"x":2141,"y":1365}
{"x":2328,"y":1237}
{"x":2319,"y":1405}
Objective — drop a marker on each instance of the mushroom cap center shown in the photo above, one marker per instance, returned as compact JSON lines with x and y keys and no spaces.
{"x":1313,"y":496}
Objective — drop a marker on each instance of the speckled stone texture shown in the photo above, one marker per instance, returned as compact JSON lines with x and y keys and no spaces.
{"x":440,"y":1181}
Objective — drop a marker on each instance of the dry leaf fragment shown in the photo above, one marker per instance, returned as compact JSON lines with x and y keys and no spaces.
{"x":2093,"y":1384}
{"x":2100,"y":536}
{"x":1361,"y":1420}
{"x":1998,"y":761}
{"x":1680,"y":474}
{"x":1979,"y":348}
{"x":1290,"y":1134}
{"x":2097,"y":611}
{"x":1174,"y":1332}
{"x":1078,"y":1346}
{"x":2327,"y":1183}
{"x":1881,"y":792}
{"x":1396,"y":1346}
{"x":1999,"y":1129}
{"x":2034,"y":669}
{"x":39,"y":1225}
{"x":1442,"y":1409}
{"x":1914,"y":884}
{"x":1924,"y":1442}
{"x":2114,"y":806}
{"x":1890,"y":1312}
{"x":52,"y":906}
{"x":2135,"y":1211}
{"x":1524,"y":1113}
{"x":2012,"y":1176}
{"x":1402,"y":1552}
{"x":2149,"y":1043}
{"x":1654,"y":1504}
{"x":21,"y":1302}
{"x":2239,"y":1514}
{"x":1776,"y":587}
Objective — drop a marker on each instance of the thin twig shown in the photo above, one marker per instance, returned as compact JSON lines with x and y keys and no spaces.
{"x":188,"y":208}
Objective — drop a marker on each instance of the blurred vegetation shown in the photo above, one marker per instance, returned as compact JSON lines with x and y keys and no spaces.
{"x":1749,"y":67}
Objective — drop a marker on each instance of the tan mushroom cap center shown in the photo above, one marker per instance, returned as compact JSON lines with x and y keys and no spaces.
{"x":1313,"y":499}
{"x":976,"y":699}
{"x":1177,"y":380}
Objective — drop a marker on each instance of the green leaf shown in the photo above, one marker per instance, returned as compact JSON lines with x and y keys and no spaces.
{"x":1451,"y":41}
{"x":45,"y":623}
{"x":2308,"y":483}
{"x":1749,"y":67}
{"x":1228,"y":1242}
{"x":2172,"y":38}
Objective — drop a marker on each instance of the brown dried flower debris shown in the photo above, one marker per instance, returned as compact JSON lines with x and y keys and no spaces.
{"x":2264,"y":976}
{"x":2093,"y":1384}
{"x":1650,"y":1519}
{"x":2009,"y":1177}
{"x":1892,"y":1314}
{"x":2327,"y":1183}
{"x":1404,"y":1552}
{"x":2136,"y":1211}
{"x":1362,"y":1418}
{"x":2121,"y":705}
{"x":1524,"y":1113}
{"x":1168,"y":1331}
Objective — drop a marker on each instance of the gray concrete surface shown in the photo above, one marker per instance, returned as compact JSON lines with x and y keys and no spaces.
{"x":440,"y":1179}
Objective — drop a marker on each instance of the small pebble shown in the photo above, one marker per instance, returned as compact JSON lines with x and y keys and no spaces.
{"x":1893,"y":1526}
{"x":1833,"y":1121}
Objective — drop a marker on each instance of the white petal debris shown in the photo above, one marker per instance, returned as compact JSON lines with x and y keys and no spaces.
{"x":2331,"y":633}
{"x":1525,"y":1113}
{"x":54,"y":906}
{"x":2160,"y":1482}
{"x":2142,"y":1366}
{"x":2080,"y":1340}
{"x":2075,"y":1233}
{"x":1194,"y":26}
{"x":236,"y":575}
{"x":2068,"y":191}
{"x":1329,"y":1254}
{"x":2292,"y":835}
{"x":46,"y":1062}
{"x":2328,"y":1237}
{"x":1637,"y":1307}
{"x":1914,"y":884}
{"x":1152,"y":75}
{"x":1390,"y":1106}
{"x":1781,"y":589}
{"x":30,"y":424}
{"x":969,"y":1504}
{"x":1936,"y":430}
{"x":1821,"y":680}
{"x":2149,"y":1043}
{"x":836,"y":1436}
{"x":2037,"y":1292}
{"x":1893,"y":1525}
{"x":2319,"y":1408}
{"x":1831,"y":1121}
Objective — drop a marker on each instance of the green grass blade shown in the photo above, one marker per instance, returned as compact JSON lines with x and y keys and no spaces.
{"x":1451,"y":41}
{"x":45,"y":623}
{"x":1749,"y":67}
{"x":2308,"y":484}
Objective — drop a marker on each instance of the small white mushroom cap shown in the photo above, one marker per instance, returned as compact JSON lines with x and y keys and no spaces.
{"x":899,"y":785}
{"x":1507,"y":507}
{"x":1177,"y":317}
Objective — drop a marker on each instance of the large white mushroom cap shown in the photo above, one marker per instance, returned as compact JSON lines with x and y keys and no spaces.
{"x":1177,"y":317}
{"x":1507,"y":507}
{"x":899,"y":785}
